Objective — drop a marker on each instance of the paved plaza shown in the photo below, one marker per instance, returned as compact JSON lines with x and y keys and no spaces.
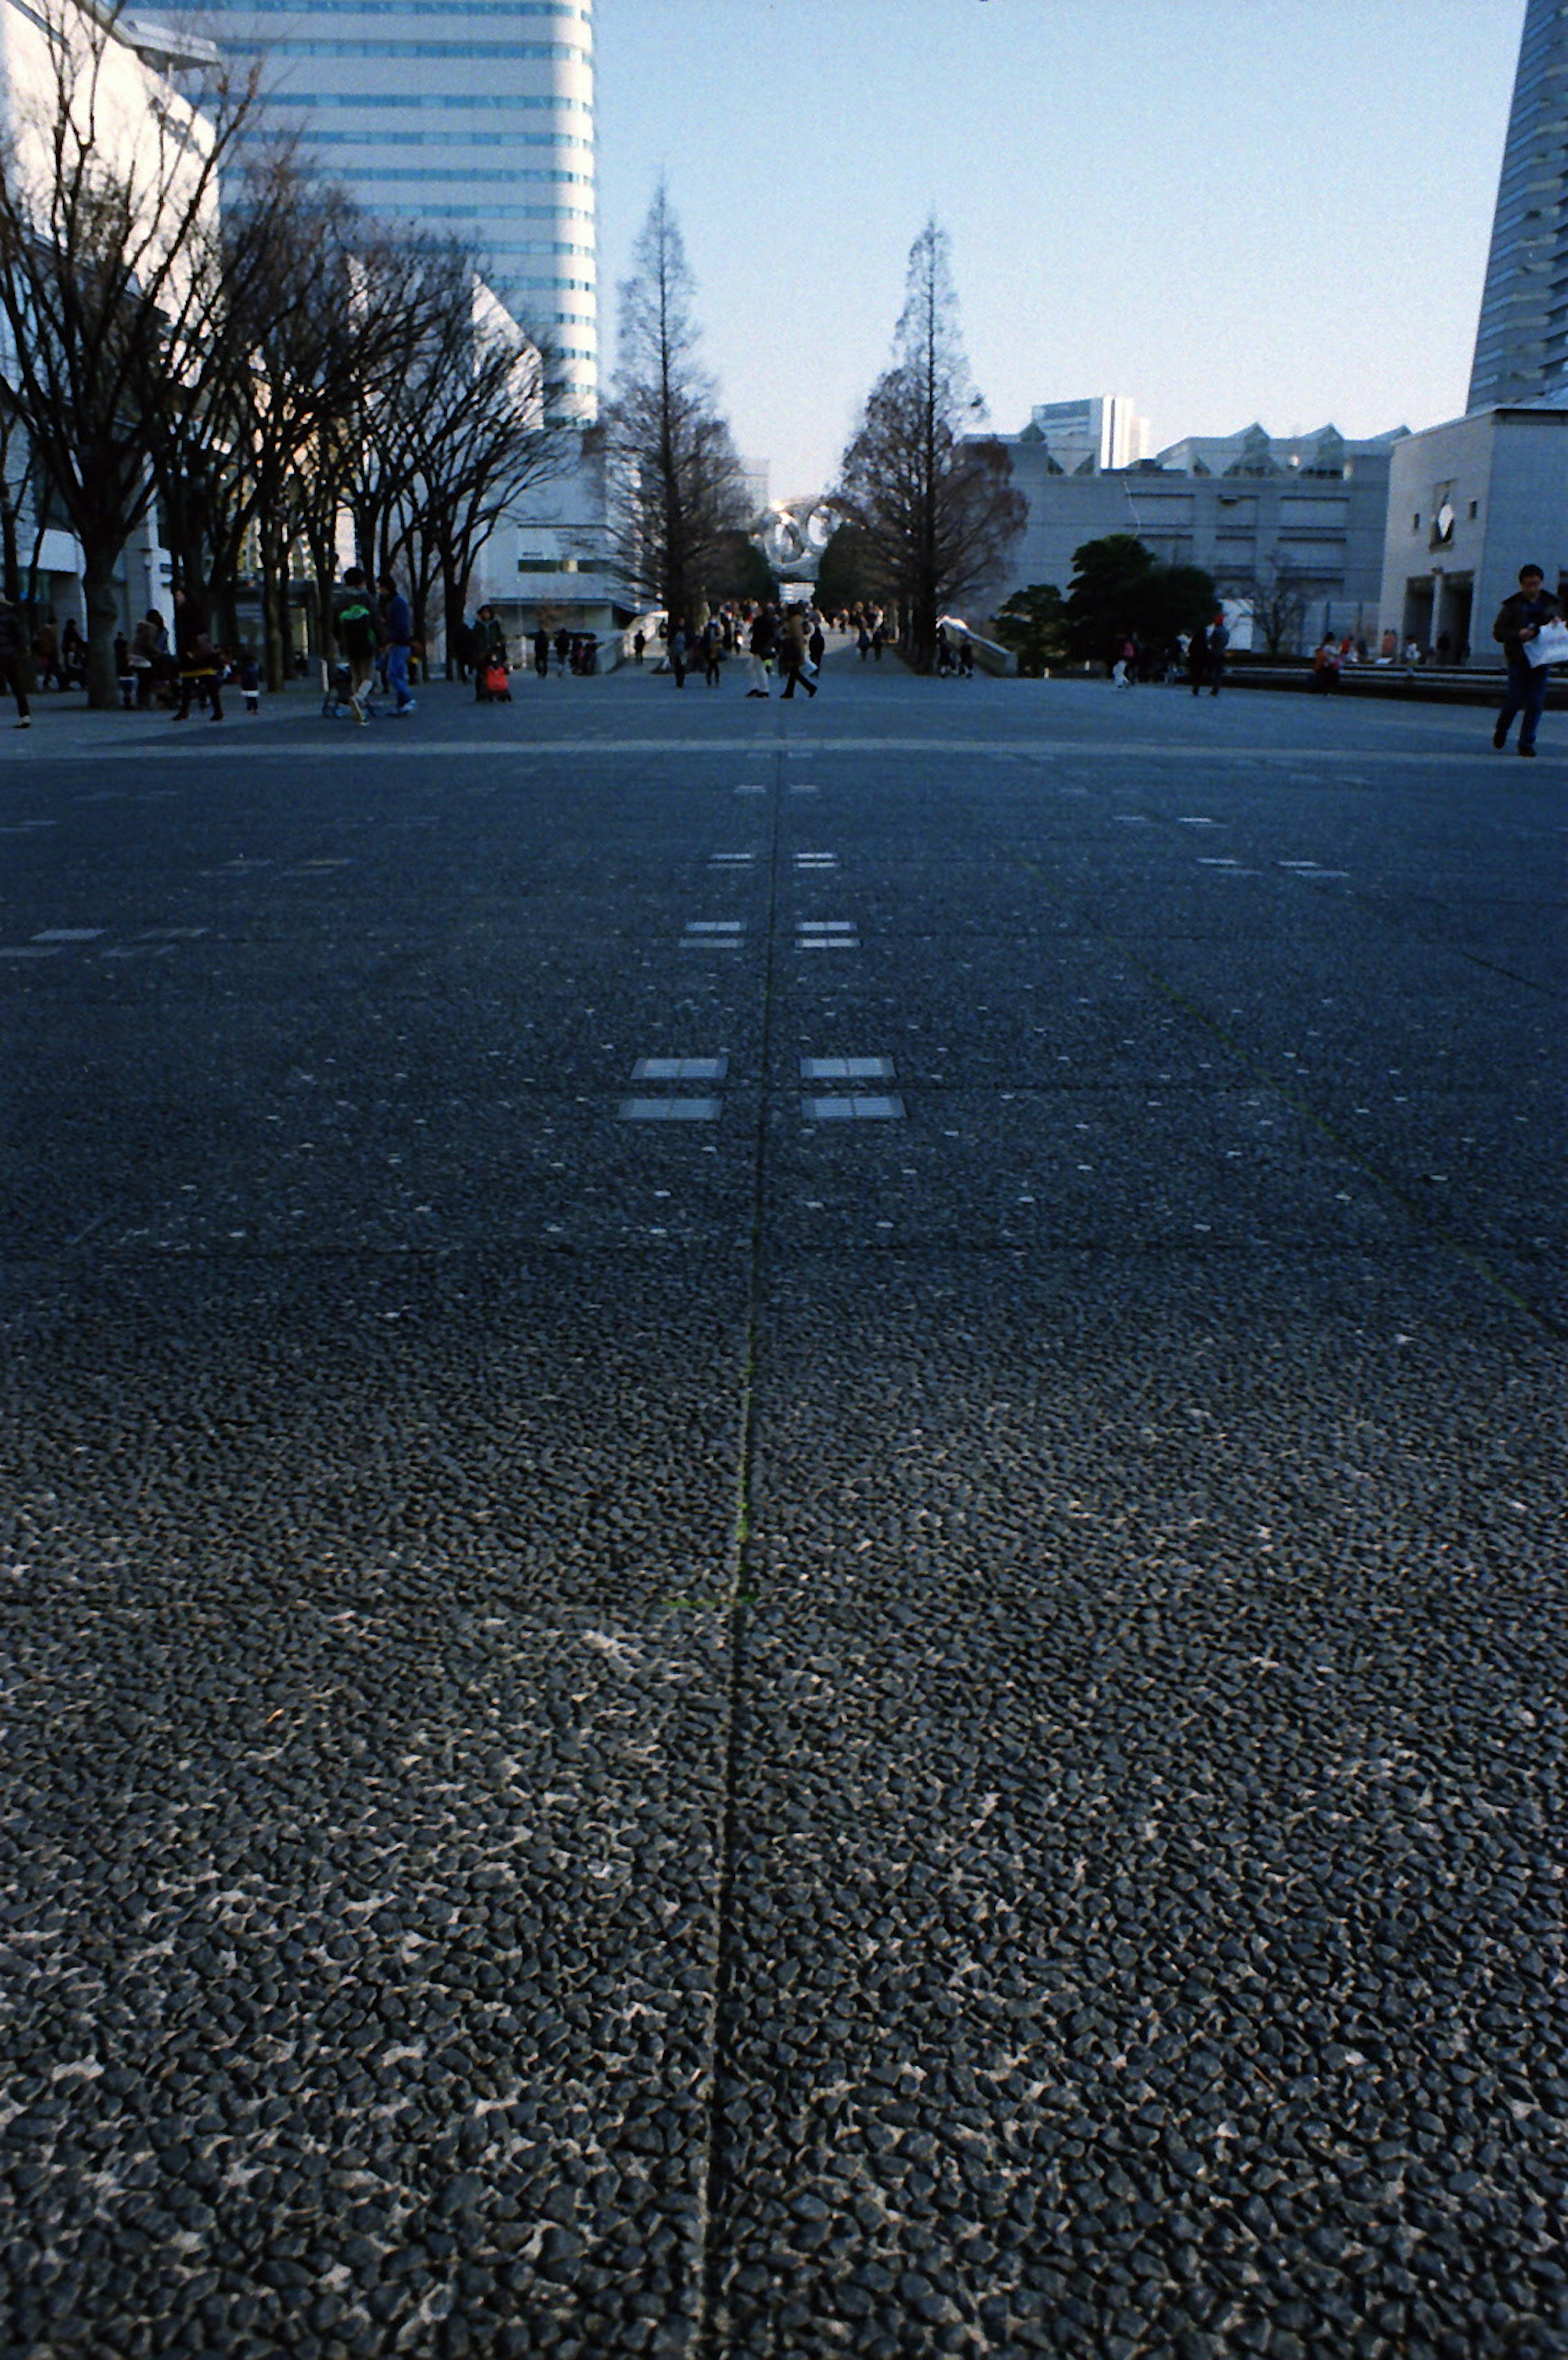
{"x":780,"y":1528}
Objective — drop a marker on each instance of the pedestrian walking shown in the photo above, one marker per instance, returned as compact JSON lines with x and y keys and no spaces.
{"x":712,"y":651}
{"x":1198,"y":658}
{"x":398,"y":622}
{"x":541,"y":652}
{"x":15,"y":661}
{"x":793,"y":657}
{"x":676,"y":644}
{"x":563,"y":644}
{"x":639,"y":642}
{"x":1519,"y":620}
{"x":760,"y":643}
{"x":816,"y":645}
{"x":354,"y":628}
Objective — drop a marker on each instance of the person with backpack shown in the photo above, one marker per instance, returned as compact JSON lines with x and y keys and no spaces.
{"x":354,"y":628}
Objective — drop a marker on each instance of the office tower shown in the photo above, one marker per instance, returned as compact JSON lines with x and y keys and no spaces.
{"x":468,"y":118}
{"x":1522,"y":341}
{"x":1087,"y":437}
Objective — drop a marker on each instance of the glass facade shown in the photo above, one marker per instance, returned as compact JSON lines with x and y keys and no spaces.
{"x":468,"y":117}
{"x":1521,"y":339}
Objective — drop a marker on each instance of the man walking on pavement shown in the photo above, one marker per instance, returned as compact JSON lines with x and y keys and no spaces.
{"x":397,"y":618}
{"x":792,"y":654}
{"x":1520,"y":619}
{"x":354,"y":628}
{"x":15,"y":661}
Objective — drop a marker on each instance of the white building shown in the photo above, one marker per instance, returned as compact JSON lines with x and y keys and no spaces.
{"x":1469,"y":503}
{"x":1292,"y":526}
{"x":153,"y":138}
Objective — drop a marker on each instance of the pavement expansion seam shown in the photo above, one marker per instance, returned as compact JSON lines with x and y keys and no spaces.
{"x":710,"y":2331}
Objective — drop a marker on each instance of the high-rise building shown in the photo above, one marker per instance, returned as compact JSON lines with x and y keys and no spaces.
{"x":1522,"y":341}
{"x":470,"y":118}
{"x":1090,"y":436}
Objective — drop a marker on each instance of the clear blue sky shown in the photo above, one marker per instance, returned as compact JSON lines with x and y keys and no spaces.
{"x":1226,"y":209}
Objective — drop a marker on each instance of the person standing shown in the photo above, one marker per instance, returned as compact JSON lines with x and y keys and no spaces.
{"x":816,"y":645}
{"x":1219,"y":640}
{"x":677,"y":648}
{"x":1519,"y":618}
{"x":489,"y":653}
{"x":200,"y":666}
{"x":354,"y":628}
{"x":46,"y":648}
{"x":639,"y":642}
{"x":1198,"y":658}
{"x":15,"y":661}
{"x":541,"y":652}
{"x":761,"y":647}
{"x":398,"y":621}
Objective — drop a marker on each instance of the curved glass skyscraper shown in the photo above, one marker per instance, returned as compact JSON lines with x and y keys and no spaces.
{"x":1521,"y":341}
{"x":467,"y":117}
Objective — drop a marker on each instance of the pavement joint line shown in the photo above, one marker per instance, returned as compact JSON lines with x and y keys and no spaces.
{"x":710,"y":2326}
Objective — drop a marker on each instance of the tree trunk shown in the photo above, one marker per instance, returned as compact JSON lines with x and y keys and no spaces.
{"x":274,"y":595}
{"x":103,"y":622}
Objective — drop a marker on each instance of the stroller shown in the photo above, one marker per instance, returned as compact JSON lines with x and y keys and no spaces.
{"x":495,"y":684}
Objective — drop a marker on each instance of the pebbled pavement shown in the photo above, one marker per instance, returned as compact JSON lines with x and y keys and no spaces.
{"x":778,"y":1732}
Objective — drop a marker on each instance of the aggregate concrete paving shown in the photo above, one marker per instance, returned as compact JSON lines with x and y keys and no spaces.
{"x":741,"y":1734}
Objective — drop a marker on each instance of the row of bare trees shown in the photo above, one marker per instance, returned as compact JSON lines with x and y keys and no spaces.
{"x":260,"y":368}
{"x":928,"y":506}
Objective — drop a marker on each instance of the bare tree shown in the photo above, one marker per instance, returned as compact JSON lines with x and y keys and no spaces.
{"x":453,"y":437}
{"x":108,"y":247}
{"x":1277,"y":593}
{"x":677,"y":491}
{"x":935,"y":509}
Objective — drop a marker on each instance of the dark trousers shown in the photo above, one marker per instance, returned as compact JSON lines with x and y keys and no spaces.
{"x":1527,"y":695}
{"x":17,"y":674}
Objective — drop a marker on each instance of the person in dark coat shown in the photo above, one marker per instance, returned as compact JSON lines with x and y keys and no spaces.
{"x":15,"y":661}
{"x":1519,"y":618}
{"x":1198,"y":658}
{"x":541,"y":652}
{"x":200,"y":667}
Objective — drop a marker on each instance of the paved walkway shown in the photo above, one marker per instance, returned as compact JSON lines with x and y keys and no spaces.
{"x":781,"y":1520}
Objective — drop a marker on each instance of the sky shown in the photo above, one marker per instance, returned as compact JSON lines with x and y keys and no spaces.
{"x":1228,"y":210}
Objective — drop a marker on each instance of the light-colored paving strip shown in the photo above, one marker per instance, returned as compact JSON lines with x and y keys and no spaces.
{"x":443,"y":751}
{"x":680,"y":1069}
